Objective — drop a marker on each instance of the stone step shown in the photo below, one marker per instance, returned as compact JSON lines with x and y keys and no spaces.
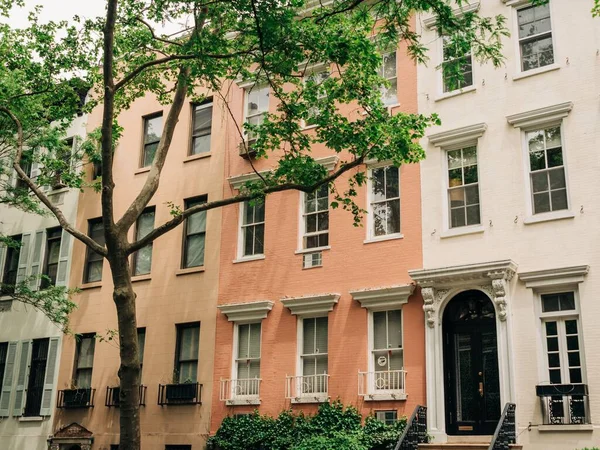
{"x":462,"y":446}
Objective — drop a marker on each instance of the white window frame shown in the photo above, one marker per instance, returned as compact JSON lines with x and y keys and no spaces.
{"x":371,"y":347}
{"x":247,"y":90}
{"x":234,"y":355}
{"x":311,"y":71}
{"x":370,"y":216}
{"x":380,"y":71}
{"x":241,"y":226}
{"x":447,"y":215}
{"x":302,"y":227}
{"x":440,"y":78}
{"x":208,"y":103}
{"x":300,"y":343}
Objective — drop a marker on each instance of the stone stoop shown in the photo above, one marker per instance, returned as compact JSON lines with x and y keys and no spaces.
{"x":462,"y":446}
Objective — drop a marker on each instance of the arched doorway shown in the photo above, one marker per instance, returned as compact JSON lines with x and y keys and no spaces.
{"x":471,"y":365}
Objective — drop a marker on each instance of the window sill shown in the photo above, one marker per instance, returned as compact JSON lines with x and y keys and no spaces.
{"x":385,"y":397}
{"x":142,"y":170}
{"x":310,"y":399}
{"x":388,"y":107}
{"x":94,"y":285}
{"x":565,"y":428}
{"x":389,"y":237}
{"x":144,"y":277}
{"x":189,"y":270}
{"x":244,"y":259}
{"x":533,"y":72}
{"x":242,"y":402}
{"x":31,"y":419}
{"x":6,"y":303}
{"x":462,"y":231}
{"x":456,"y":93}
{"x":547,"y":217}
{"x":312,"y":250}
{"x":310,"y":127}
{"x":198,"y":156}
{"x":59,"y":190}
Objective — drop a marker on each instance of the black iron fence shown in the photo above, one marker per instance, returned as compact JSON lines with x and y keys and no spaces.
{"x":415,"y":432}
{"x":113,"y":393}
{"x":180,"y":394}
{"x":76,"y":398}
{"x":564,"y":404}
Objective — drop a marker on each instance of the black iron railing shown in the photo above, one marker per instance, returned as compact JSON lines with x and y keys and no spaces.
{"x":506,"y":431}
{"x":415,"y":432}
{"x":564,"y":404}
{"x":112,"y":396}
{"x":180,"y":394}
{"x":76,"y":398}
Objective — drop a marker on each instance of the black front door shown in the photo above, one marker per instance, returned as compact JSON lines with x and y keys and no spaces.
{"x":471,"y":365}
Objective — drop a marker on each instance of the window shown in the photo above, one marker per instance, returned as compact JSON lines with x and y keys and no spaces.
{"x":201,"y":128}
{"x":316,"y":218}
{"x":248,"y":357}
{"x":141,"y":335}
{"x":257,"y":107}
{"x":26,"y":165}
{"x":387,"y":417}
{"x":547,"y":170}
{"x":316,"y":79}
{"x":314,"y":354}
{"x":53,"y":238}
{"x":93,"y":260}
{"x":114,"y":446}
{"x":463,"y":187}
{"x":457,"y":65}
{"x":84,"y":360}
{"x":253,"y":228}
{"x":142,"y":259}
{"x":194,"y":235}
{"x":186,"y":353}
{"x":11,"y":267}
{"x":37,"y":371}
{"x":387,"y":351}
{"x":385,"y":201}
{"x":153,"y":127}
{"x":178,"y":447}
{"x":535,"y":37}
{"x":389,"y":95}
{"x":3,"y":355}
{"x":63,"y":154}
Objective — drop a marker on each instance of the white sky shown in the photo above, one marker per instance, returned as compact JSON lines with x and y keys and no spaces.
{"x":57,"y":10}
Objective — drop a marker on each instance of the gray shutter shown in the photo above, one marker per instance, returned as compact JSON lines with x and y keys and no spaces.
{"x":62,"y":273}
{"x":22,"y":377}
{"x":24,"y":257}
{"x":50,"y":377}
{"x":2,"y":262}
{"x":7,"y":382}
{"x":37,"y":258}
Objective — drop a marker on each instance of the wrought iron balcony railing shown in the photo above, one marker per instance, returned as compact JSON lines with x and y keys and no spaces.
{"x":244,"y":391}
{"x":180,"y":394}
{"x":112,"y":396}
{"x":76,"y":398}
{"x":564,"y":404}
{"x":307,"y":388}
{"x":382,"y":385}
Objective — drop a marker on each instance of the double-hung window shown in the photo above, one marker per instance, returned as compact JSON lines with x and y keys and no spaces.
{"x":27,"y":166}
{"x":385,"y":201}
{"x":84,"y":360}
{"x":388,"y":417}
{"x":463,"y":187}
{"x":37,"y":372}
{"x":186,"y":354}
{"x":94,"y":261}
{"x":194,"y":235}
{"x":247,"y":359}
{"x":50,"y":270}
{"x":314,"y":355}
{"x":315,"y":81}
{"x":153,"y":128}
{"x":547,"y":170}
{"x":3,"y":355}
{"x":142,"y":259}
{"x":387,"y":352}
{"x":257,"y":107}
{"x":535,"y":37}
{"x":316,"y":218}
{"x":457,"y":65}
{"x":63,"y":155}
{"x":388,"y":71}
{"x":201,"y":128}
{"x":11,"y":266}
{"x":253,"y":228}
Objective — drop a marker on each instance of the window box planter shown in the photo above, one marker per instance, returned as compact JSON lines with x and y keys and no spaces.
{"x":179,"y":394}
{"x":76,"y":398}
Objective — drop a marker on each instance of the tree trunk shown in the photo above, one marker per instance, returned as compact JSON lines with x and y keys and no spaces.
{"x":129,"y":370}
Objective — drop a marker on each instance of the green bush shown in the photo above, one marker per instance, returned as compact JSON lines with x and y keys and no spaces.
{"x":333,"y":427}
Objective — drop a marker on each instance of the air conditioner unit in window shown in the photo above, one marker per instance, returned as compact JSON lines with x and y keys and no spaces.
{"x":246,"y":150}
{"x":311,"y":260}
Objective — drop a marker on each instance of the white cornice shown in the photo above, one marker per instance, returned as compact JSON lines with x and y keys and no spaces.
{"x":553,"y":277}
{"x":458,"y":136}
{"x":311,"y":305}
{"x":540,"y":116}
{"x":516,"y":3}
{"x":237,"y":181}
{"x":390,"y":297}
{"x":430,"y":22}
{"x":243,"y":312}
{"x":480,"y":272}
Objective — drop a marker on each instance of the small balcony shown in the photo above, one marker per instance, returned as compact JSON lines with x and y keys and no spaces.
{"x":180,"y":394}
{"x":76,"y":398}
{"x":564,"y":404}
{"x":240,"y":392}
{"x":307,"y":388}
{"x":384,"y":385}
{"x":112,"y":396}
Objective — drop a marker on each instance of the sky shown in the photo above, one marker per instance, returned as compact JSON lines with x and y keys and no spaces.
{"x":57,"y":10}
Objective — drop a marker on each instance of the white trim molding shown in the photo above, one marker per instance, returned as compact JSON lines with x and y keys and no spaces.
{"x":246,"y":312}
{"x":237,"y":181}
{"x":383,"y":298}
{"x":458,"y":136}
{"x":311,"y":305}
{"x":554,"y":277}
{"x":431,"y":22}
{"x":540,"y":116}
{"x":516,"y":3}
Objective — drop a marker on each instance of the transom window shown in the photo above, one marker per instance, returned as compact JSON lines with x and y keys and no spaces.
{"x":547,"y":170}
{"x":463,"y":187}
{"x":389,"y":94}
{"x":257,"y":107}
{"x":248,"y":358}
{"x":253,"y":228}
{"x":385,"y":201}
{"x":457,"y":65}
{"x":314,"y":354}
{"x":535,"y":37}
{"x":153,"y":128}
{"x":316,"y":218}
{"x":201,"y":128}
{"x":142,"y":259}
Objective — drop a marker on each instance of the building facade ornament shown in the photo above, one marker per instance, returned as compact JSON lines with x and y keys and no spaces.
{"x":462,"y":136}
{"x":247,"y":312}
{"x":540,"y":116}
{"x":553,"y":277}
{"x":311,"y":305}
{"x":431,"y":22}
{"x":382,"y":298}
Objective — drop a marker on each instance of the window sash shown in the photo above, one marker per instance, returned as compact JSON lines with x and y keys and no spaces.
{"x":142,"y":228}
{"x":11,"y":267}
{"x":93,"y":259}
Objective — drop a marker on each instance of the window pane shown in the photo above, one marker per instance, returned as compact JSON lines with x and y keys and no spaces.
{"x":379,"y":219}
{"x":457,"y":217}
{"x":255,"y":340}
{"x":555,"y":157}
{"x":553,"y":360}
{"x":537,"y":160}
{"x":552,"y":344}
{"x":454,"y":159}
{"x":470,"y":174}
{"x":141,"y":334}
{"x":194,"y":255}
{"x":559,"y":200}
{"x":394,"y":329}
{"x":457,"y":196}
{"x":392,"y":182}
{"x":196,"y":223}
{"x":86,"y":353}
{"x":557,"y":179}
{"x":201,"y":144}
{"x":550,"y":304}
{"x":541,"y":203}
{"x":248,"y":241}
{"x":455,"y":177}
{"x":555,"y":377}
{"x":243,"y":340}
{"x":321,"y":335}
{"x":575,"y":375}
{"x":310,"y":202}
{"x":202,"y":119}
{"x":472,"y":194}
{"x":143,"y":260}
{"x":551,"y":329}
{"x":539,"y":181}
{"x":379,"y":330}
{"x":553,"y":137}
{"x":389,"y":65}
{"x":154,"y":128}
{"x":149,"y":152}
{"x":259,"y":235}
{"x":567,"y":302}
{"x":473,"y":216}
{"x":188,"y":372}
{"x":574,"y":359}
{"x":572,"y":343}
{"x":308,"y":346}
{"x":323,"y":221}
{"x":188,"y":347}
{"x":393,"y":225}
{"x":311,"y":223}
{"x":145,"y":224}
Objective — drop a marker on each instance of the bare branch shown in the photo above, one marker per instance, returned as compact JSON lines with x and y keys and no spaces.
{"x":154,"y":36}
